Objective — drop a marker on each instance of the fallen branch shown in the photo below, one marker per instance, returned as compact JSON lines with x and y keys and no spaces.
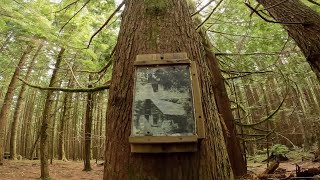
{"x":272,"y":168}
{"x":94,"y":89}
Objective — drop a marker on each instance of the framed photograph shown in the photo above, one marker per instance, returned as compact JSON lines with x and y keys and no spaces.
{"x":163,"y":101}
{"x":167,"y":110}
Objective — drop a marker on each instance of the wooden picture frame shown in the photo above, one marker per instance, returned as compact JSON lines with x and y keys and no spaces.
{"x":167,"y":109}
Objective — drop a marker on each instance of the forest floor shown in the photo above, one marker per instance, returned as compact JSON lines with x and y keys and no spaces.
{"x":303,"y":159}
{"x":290,"y":166}
{"x":59,"y":170}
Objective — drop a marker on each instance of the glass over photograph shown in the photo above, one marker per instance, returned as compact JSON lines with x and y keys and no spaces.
{"x":163,"y":104}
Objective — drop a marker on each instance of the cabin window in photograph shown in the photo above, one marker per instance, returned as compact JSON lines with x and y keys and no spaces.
{"x":163,"y":103}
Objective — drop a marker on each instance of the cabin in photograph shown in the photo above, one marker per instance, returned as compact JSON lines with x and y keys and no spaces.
{"x":169,"y":116}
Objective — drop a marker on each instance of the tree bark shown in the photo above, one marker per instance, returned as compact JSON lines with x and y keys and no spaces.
{"x":45,"y":121}
{"x":306,"y":34}
{"x":27,"y":117}
{"x":87,"y":130}
{"x":64,"y":118}
{"x":8,"y":100}
{"x":54,"y":131}
{"x":17,"y":111}
{"x":160,"y":27}
{"x":236,"y":157}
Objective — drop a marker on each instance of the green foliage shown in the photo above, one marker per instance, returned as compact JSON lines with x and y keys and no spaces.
{"x":279,"y":149}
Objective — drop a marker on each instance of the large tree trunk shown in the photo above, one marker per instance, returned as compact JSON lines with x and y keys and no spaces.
{"x":235,"y":152}
{"x":306,"y":34}
{"x":8,"y":99}
{"x":45,"y":120}
{"x":17,"y":111}
{"x":160,"y":27}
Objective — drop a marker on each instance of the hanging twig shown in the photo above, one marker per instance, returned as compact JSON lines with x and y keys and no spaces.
{"x":270,"y":21}
{"x":247,"y":74}
{"x":202,"y":8}
{"x":270,"y":116}
{"x":66,"y":7}
{"x":84,"y":5}
{"x":294,"y":146}
{"x":104,"y":71}
{"x":275,"y":5}
{"x":274,"y":112}
{"x":314,"y":2}
{"x":106,"y":23}
{"x":208,"y":17}
{"x":71,"y":69}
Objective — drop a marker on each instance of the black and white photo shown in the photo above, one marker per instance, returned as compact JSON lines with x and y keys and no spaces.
{"x":163,"y":104}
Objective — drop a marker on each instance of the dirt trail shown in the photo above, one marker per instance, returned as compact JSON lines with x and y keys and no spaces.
{"x":59,"y":170}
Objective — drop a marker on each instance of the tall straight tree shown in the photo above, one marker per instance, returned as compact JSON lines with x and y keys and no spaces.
{"x":302,"y":24}
{"x":87,"y":130}
{"x":45,"y":120}
{"x":17,"y":111}
{"x":235,"y":153}
{"x":63,"y":120}
{"x":8,"y":99}
{"x":160,"y":26}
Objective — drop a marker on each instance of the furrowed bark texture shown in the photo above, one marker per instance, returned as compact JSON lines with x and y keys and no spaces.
{"x":8,"y":100}
{"x":306,"y":34}
{"x":44,"y":141}
{"x":150,"y":26}
{"x":235,"y":152}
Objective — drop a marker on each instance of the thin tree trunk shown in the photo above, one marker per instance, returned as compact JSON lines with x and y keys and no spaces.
{"x":53,"y":132}
{"x":8,"y":99}
{"x":305,"y":33}
{"x":75,"y":124}
{"x":45,"y":121}
{"x":159,"y":27}
{"x":63,"y":120}
{"x":87,"y":130}
{"x":36,"y":129}
{"x":25,"y":139}
{"x":16,"y":114}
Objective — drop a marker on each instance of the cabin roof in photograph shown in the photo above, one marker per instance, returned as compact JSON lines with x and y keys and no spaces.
{"x":169,"y":108}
